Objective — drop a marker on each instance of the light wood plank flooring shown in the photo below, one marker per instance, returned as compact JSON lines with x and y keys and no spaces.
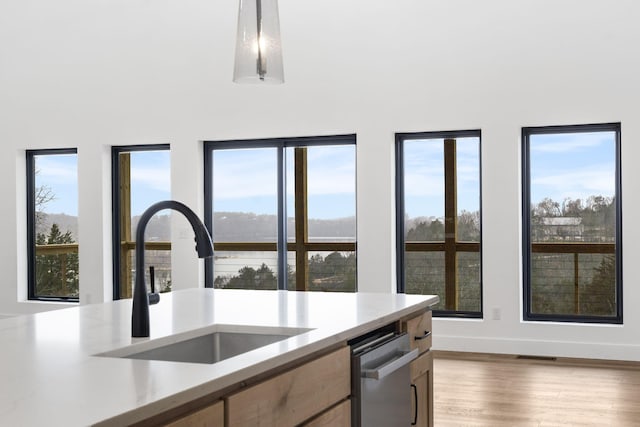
{"x":497,"y":390}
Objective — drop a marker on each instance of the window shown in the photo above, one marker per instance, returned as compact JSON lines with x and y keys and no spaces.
{"x":52,"y":224}
{"x":438,"y":219}
{"x":141,"y":177}
{"x":571,"y":223}
{"x":282,"y":213}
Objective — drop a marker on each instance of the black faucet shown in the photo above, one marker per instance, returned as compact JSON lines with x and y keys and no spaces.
{"x":204,"y":247}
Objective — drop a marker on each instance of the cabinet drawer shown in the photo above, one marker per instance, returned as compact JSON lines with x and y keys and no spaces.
{"x":419,"y":330}
{"x":338,"y":416}
{"x":211,"y":416}
{"x":293,"y":396}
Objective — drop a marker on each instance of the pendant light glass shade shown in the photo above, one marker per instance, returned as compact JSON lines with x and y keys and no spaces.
{"x":258,"y":49}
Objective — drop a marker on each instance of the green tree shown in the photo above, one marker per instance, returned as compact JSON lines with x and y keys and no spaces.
{"x":335,"y":272}
{"x":469,"y":226}
{"x":573,"y":208}
{"x":547,"y":208}
{"x":249,"y":278}
{"x":56,"y":274}
{"x":426,"y":232}
{"x":599,"y":297}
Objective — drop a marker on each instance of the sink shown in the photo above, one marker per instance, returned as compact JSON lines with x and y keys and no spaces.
{"x":209,"y":347}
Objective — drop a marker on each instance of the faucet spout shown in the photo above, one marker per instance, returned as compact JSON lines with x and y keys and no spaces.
{"x":204,"y":248}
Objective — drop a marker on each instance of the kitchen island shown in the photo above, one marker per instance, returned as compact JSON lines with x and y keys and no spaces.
{"x":54,"y":371}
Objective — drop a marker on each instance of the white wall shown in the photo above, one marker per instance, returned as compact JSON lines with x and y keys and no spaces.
{"x":90,"y":74}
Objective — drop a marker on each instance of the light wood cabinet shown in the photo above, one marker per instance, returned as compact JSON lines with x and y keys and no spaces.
{"x":338,"y":416}
{"x":419,"y":330}
{"x":210,"y":416}
{"x":294,"y":396}
{"x":312,"y":393}
{"x":422,"y":390}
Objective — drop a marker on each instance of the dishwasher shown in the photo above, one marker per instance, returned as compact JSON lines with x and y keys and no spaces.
{"x":381,"y":379}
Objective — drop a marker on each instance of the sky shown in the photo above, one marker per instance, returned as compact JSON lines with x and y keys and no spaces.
{"x":60,"y":174}
{"x":572,"y":166}
{"x":424,"y":176}
{"x":245,"y":180}
{"x":150,"y":180}
{"x":563,"y":165}
{"x":569,"y":165}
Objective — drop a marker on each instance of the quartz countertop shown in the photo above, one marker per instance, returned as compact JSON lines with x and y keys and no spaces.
{"x":50,"y":373}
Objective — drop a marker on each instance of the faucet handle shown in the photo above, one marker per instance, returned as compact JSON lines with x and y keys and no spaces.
{"x":152,"y":278}
{"x":154,"y":298}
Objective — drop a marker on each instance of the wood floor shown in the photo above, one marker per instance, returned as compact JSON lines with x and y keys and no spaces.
{"x":493,"y":390}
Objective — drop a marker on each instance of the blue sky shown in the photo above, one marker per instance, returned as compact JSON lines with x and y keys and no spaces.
{"x":150,"y":180}
{"x":567,"y":165}
{"x":245,"y":180}
{"x":573,"y":165}
{"x":60,"y":174}
{"x":576,"y":165}
{"x":424,"y":176}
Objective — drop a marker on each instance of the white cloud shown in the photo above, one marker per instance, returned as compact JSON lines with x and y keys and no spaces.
{"x":337,"y":182}
{"x":331,"y":171}
{"x":562,"y":143}
{"x":578,"y":183}
{"x":424,"y":184}
{"x":56,"y":169}
{"x":468,"y":171}
{"x":239,"y":175}
{"x":152,"y":178}
{"x":237,"y":184}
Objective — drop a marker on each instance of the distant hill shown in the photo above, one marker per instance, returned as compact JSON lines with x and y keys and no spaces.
{"x":228,"y":227}
{"x":246,"y":226}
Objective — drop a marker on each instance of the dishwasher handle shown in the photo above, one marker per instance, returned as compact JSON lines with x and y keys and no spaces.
{"x":391,"y":366}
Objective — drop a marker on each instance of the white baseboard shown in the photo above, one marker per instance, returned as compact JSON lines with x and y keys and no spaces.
{"x":607,"y":351}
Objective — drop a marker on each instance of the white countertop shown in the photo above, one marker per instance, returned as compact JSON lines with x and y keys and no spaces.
{"x":49,"y":374}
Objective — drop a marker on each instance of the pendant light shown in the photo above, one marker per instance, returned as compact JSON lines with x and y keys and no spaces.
{"x":258,"y":48}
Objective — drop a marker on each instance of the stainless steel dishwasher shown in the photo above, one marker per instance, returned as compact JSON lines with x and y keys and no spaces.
{"x":381,"y":380}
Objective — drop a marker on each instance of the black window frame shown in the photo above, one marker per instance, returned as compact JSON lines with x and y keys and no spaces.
{"x":116,"y":150}
{"x":31,"y":223}
{"x":526,"y":222}
{"x":400,"y":212}
{"x":281,"y":144}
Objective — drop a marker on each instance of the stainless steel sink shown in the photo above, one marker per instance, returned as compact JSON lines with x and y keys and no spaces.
{"x":209,"y":348}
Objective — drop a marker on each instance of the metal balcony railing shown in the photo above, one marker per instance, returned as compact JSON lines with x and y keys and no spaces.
{"x":576,"y":249}
{"x":61,"y":251}
{"x":302,"y":270}
{"x":451,"y":286}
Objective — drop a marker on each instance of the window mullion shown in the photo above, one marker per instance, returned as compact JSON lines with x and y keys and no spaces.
{"x":450,"y":225}
{"x":282,"y":218}
{"x":124,"y":178}
{"x":302,"y":219}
